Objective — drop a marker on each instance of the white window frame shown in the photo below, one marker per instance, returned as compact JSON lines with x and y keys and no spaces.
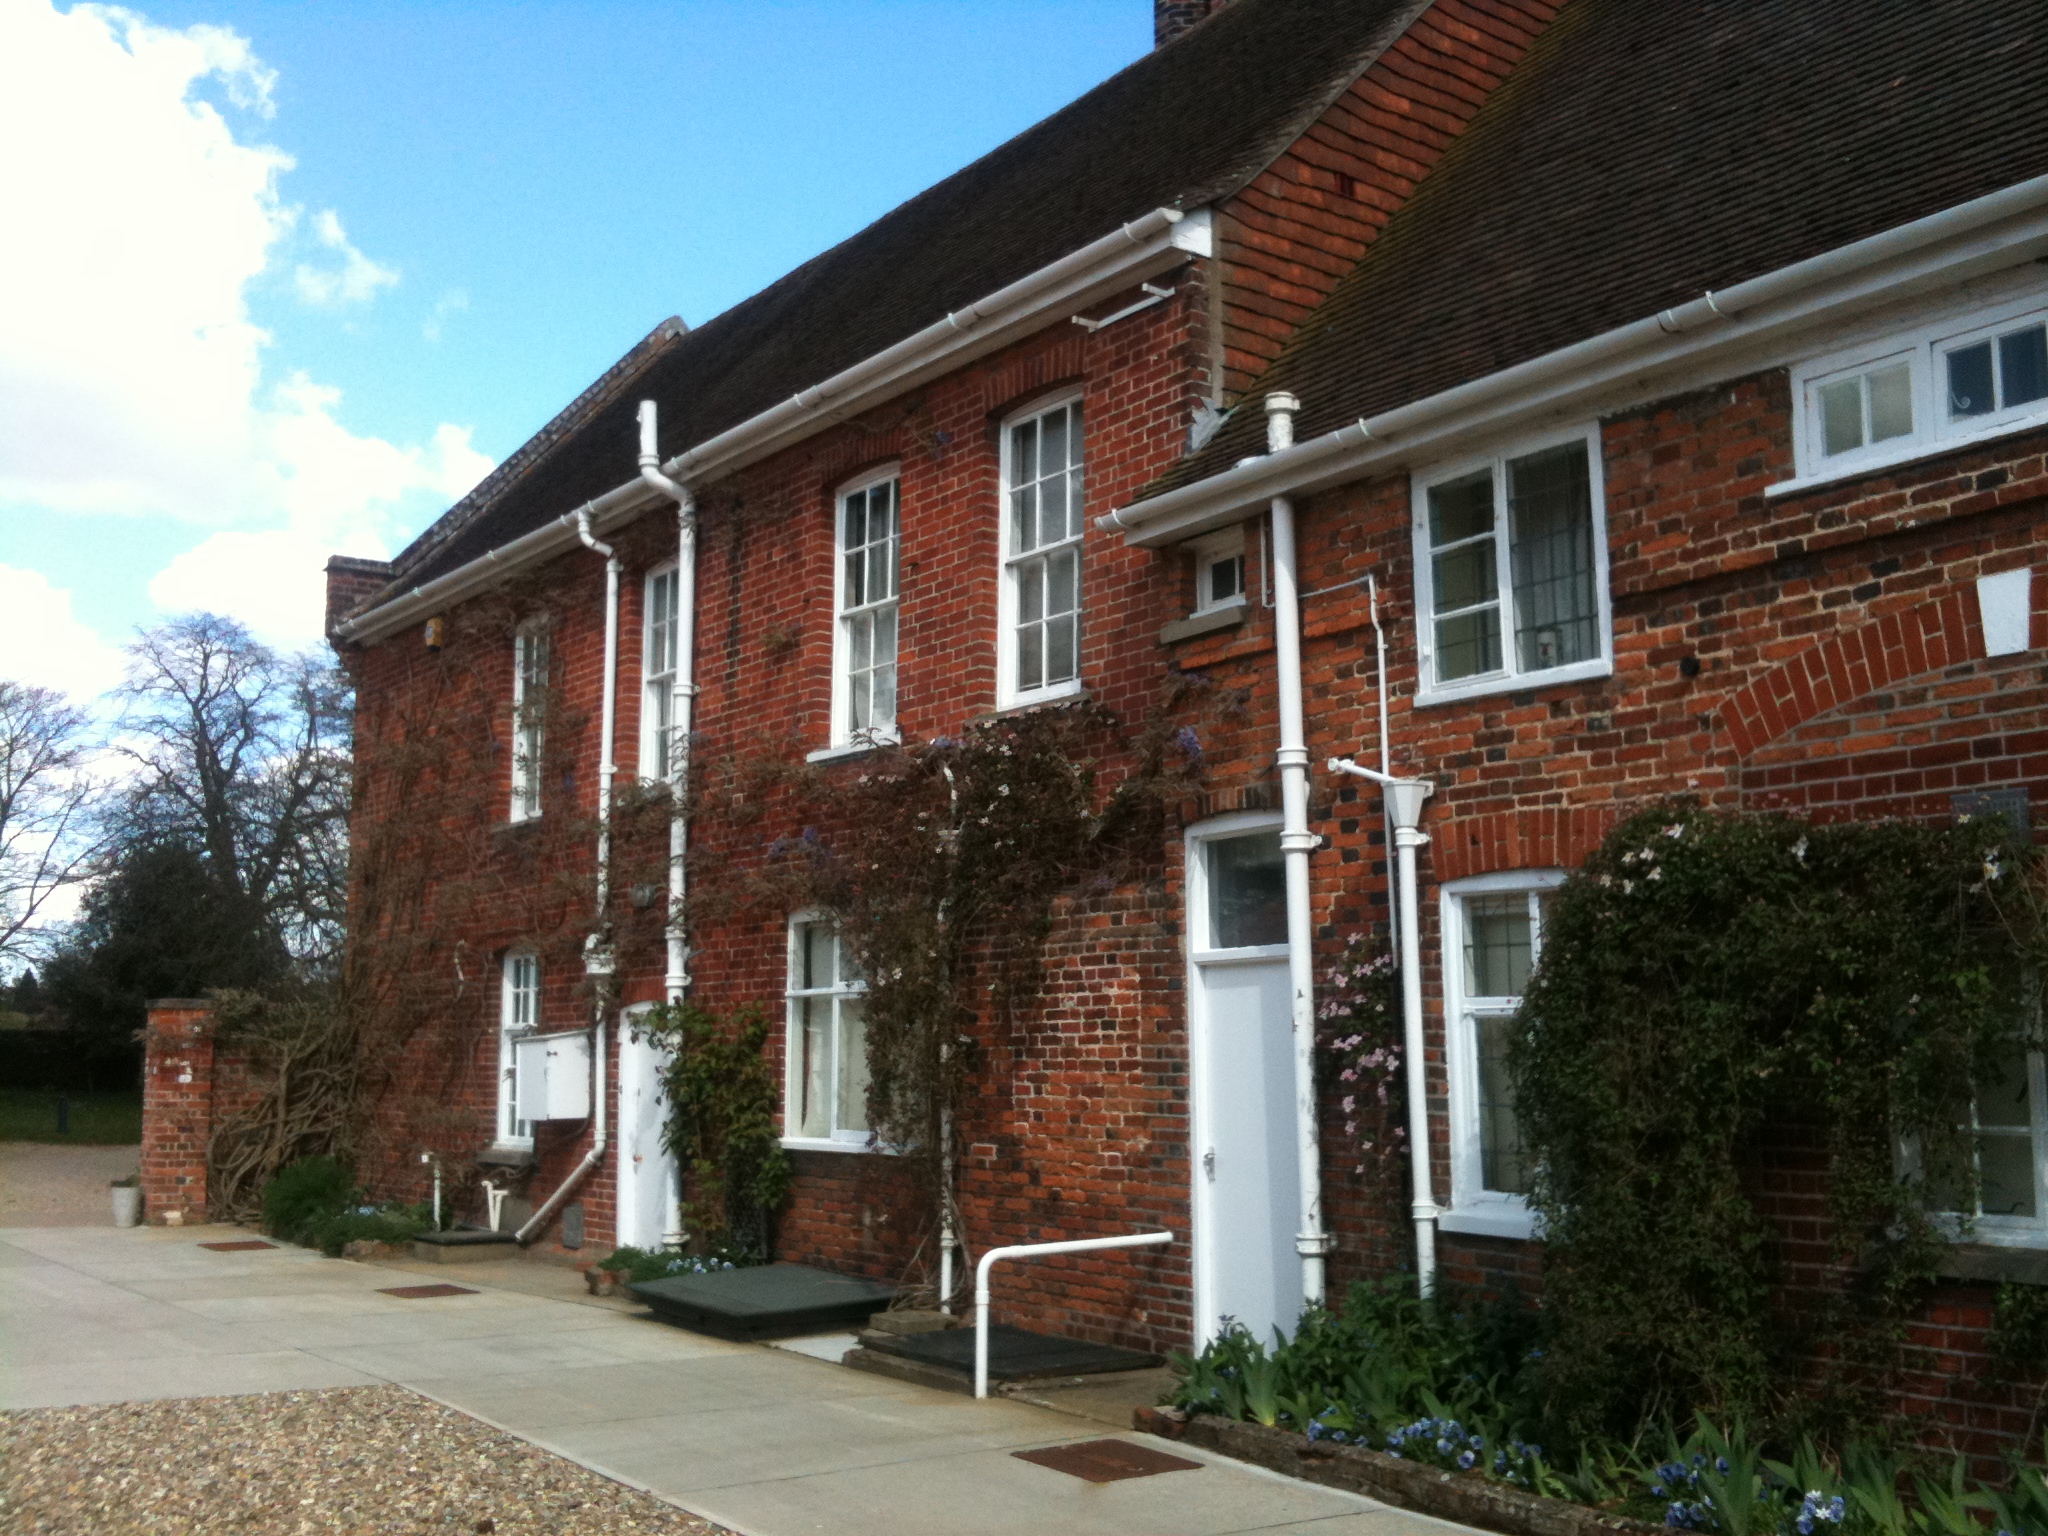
{"x":1924,"y":348}
{"x":2010,"y":1231}
{"x":843,"y":733}
{"x":1508,"y":679}
{"x":1210,"y":551}
{"x":518,"y":1017}
{"x":1008,"y":694}
{"x":793,"y":1056}
{"x":658,"y":674}
{"x":1202,"y":948}
{"x":529,"y":729}
{"x":1475,"y":1209}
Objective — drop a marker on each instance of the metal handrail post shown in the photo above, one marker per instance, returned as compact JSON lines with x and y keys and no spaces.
{"x":1035,"y":1251}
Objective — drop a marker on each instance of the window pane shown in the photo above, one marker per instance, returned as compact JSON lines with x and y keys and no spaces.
{"x":1052,"y":451}
{"x":1462,"y":509}
{"x":884,"y":698}
{"x":1496,"y":945}
{"x":1503,"y":1161}
{"x":1226,"y":579}
{"x":856,"y":581}
{"x":814,"y":1074}
{"x":856,"y":533}
{"x":2005,"y":1164}
{"x":1024,"y":519}
{"x":1062,"y":641}
{"x":1247,"y":891}
{"x":859,"y":634}
{"x":1030,"y":657}
{"x":881,"y":583}
{"x":1969,"y":381}
{"x":852,"y":1111}
{"x":1031,"y":591}
{"x":1052,"y":510}
{"x":815,"y":946}
{"x":1024,"y":453}
{"x":2023,"y":365}
{"x":1465,"y":576}
{"x":1841,"y":416}
{"x":1063,"y":581}
{"x":2002,"y":1096}
{"x":1468,"y":645}
{"x":1891,"y":403}
{"x":1550,"y":541}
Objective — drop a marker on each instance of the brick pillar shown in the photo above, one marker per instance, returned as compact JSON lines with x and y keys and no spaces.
{"x":177,"y":1110}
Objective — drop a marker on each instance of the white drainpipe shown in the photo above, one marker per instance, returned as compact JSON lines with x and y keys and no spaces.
{"x":1296,"y":844}
{"x":1404,"y":799}
{"x":683,"y":709}
{"x":597,"y":952}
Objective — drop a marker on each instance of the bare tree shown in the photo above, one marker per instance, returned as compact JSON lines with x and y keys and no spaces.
{"x":47,"y":840}
{"x":244,"y":754}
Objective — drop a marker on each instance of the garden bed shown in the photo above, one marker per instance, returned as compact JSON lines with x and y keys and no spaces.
{"x":1466,"y":1497}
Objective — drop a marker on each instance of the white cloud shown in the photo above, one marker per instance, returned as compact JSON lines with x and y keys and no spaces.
{"x":356,"y":282}
{"x":454,"y":301}
{"x":44,"y":643}
{"x":132,"y":376}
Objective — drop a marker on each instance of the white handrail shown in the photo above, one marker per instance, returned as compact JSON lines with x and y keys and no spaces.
{"x":1034,"y":1251}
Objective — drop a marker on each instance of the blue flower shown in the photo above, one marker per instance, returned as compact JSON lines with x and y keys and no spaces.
{"x":1805,"y":1524}
{"x":1721,"y":1464}
{"x":1836,"y":1509}
{"x":1465,"y":1460}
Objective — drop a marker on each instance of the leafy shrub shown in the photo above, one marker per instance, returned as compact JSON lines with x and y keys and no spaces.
{"x":370,"y":1223}
{"x":638,"y":1264}
{"x":305,"y":1196}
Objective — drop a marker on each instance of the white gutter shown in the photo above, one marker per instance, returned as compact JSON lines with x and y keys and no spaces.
{"x":682,"y":709}
{"x":1296,"y":844}
{"x":1997,"y":230}
{"x":1143,"y":248}
{"x":1404,"y":799}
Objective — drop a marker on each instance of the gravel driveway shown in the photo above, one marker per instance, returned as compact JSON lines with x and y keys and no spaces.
{"x":57,"y":1186}
{"x":354,"y":1459}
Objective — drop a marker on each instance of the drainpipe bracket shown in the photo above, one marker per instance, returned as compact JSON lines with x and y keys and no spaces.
{"x":1301,"y":842}
{"x":1314,"y":1245}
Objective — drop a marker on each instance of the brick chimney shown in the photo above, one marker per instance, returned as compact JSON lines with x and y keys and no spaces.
{"x":1170,"y":18}
{"x":349,"y":582}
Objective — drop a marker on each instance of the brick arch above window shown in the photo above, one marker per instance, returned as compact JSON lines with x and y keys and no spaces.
{"x":1945,"y":631}
{"x":1557,"y":837}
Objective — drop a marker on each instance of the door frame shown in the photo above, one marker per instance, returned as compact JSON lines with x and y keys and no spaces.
{"x":1202,"y":1223}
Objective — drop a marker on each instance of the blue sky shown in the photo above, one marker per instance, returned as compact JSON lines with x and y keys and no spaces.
{"x":308,"y":269}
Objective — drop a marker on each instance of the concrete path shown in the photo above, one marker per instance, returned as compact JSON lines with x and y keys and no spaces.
{"x":46,"y":1184}
{"x":766,"y":1441}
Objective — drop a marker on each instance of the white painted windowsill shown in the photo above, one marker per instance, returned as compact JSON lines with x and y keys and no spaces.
{"x":825,"y":1144}
{"x":1493,"y":1218}
{"x":1523,"y":682}
{"x":850,"y":749}
{"x":1908,"y":451}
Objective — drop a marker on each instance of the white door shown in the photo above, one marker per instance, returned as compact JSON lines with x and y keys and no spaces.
{"x":647,"y":1173}
{"x":1246,"y":1184}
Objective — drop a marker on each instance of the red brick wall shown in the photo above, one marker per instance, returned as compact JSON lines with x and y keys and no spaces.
{"x":177,"y":1110}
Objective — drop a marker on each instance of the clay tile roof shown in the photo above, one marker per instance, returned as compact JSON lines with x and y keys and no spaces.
{"x":1187,"y":124}
{"x":1646,"y":151}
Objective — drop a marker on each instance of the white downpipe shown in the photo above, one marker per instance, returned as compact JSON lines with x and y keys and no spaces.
{"x":1379,"y":641}
{"x":1404,"y":799}
{"x":684,"y":698}
{"x":1296,"y":844}
{"x":1034,"y":1251}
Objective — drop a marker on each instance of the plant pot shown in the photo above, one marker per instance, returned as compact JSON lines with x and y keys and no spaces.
{"x":127,"y":1205}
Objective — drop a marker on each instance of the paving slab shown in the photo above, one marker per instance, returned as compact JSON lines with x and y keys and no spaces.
{"x":765,"y":1441}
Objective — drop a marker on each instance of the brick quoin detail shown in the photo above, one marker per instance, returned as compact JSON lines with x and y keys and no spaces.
{"x":1934,"y":635}
{"x":177,"y":1110}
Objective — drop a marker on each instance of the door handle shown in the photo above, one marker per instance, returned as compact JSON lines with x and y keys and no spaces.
{"x":1209,"y":1164}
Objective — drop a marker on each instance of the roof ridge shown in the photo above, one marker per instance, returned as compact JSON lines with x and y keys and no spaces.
{"x":529,"y":454}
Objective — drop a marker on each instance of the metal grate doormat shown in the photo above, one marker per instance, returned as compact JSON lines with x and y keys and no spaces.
{"x":1107,"y":1461}
{"x":246,"y":1245}
{"x":422,"y":1292}
{"x":1014,"y":1354}
{"x":771,"y":1301}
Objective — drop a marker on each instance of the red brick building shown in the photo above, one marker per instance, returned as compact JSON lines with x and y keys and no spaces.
{"x":1668,"y":383}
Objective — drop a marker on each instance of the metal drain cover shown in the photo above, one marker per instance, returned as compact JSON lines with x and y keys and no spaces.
{"x":246,"y":1245}
{"x":422,"y":1292}
{"x":1107,"y":1461}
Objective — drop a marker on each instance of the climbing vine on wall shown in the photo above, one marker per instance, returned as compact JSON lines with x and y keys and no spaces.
{"x":1358,"y":1013}
{"x":1718,"y":993}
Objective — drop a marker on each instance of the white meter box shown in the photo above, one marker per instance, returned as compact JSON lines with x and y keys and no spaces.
{"x":554,"y":1076}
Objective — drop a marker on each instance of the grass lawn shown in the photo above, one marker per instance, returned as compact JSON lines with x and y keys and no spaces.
{"x":97,"y":1119}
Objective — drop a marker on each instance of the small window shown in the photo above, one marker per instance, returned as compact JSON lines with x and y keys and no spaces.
{"x":1219,"y":571}
{"x":2006,"y":1141}
{"x":518,"y":1017}
{"x":529,"y":720}
{"x":1247,"y":883}
{"x":1493,"y":930}
{"x":1041,"y":601}
{"x":658,"y":674}
{"x":870,"y":532}
{"x":1998,"y":374}
{"x":1515,"y":557}
{"x":827,"y":1092}
{"x":1914,"y":393}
